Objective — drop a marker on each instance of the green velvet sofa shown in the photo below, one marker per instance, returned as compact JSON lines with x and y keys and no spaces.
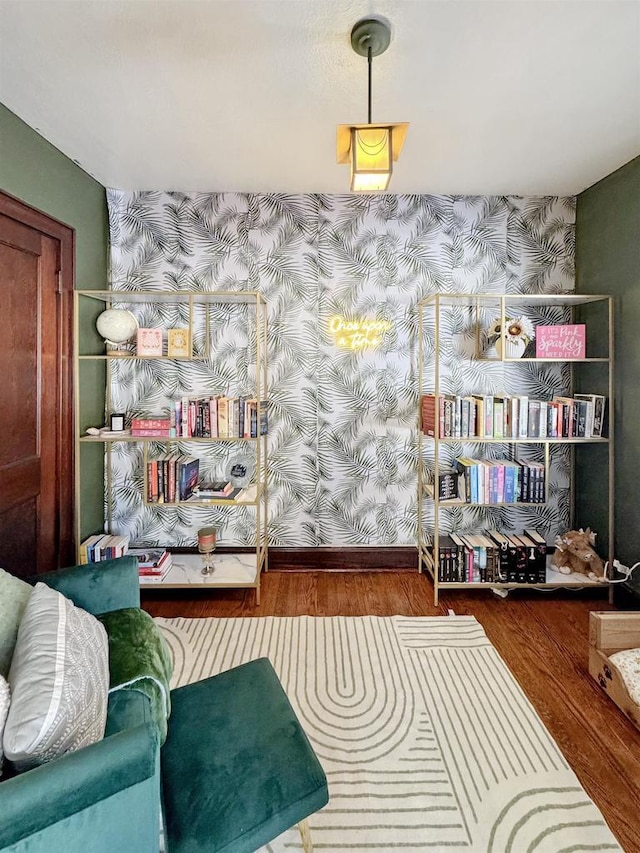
{"x":105,"y":797}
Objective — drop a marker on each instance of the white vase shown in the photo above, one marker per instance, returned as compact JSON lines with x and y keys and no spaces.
{"x":512,"y":348}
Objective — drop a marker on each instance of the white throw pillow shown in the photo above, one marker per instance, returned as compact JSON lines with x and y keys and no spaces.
{"x":59,"y":681}
{"x":5,"y":698}
{"x":14,"y":594}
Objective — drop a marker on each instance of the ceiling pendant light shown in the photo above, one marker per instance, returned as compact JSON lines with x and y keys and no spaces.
{"x":370,"y":148}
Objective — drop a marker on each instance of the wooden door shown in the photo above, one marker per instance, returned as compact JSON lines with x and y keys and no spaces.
{"x":36,"y":450}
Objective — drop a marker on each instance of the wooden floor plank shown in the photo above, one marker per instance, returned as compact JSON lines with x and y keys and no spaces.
{"x":542,"y":637}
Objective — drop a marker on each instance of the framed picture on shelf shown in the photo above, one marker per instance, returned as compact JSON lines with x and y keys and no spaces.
{"x":561,"y":341}
{"x":239,"y":471}
{"x":149,"y":342}
{"x":178,"y":343}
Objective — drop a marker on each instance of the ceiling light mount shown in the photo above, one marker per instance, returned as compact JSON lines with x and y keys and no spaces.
{"x":370,"y":34}
{"x":370,"y":148}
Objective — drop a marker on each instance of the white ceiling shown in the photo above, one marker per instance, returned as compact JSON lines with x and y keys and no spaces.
{"x":531,"y":97}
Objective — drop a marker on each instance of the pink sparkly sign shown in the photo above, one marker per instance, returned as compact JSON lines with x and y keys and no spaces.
{"x":561,"y":341}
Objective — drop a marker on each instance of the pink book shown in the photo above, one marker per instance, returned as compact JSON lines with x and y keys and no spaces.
{"x":150,"y":423}
{"x":500,"y":482}
{"x":149,"y":342}
{"x":213,"y":416}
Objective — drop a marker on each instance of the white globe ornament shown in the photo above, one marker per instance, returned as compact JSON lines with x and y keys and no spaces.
{"x":117,"y":326}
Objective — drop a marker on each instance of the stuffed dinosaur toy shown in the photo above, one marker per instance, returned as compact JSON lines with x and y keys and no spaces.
{"x":575,"y":553}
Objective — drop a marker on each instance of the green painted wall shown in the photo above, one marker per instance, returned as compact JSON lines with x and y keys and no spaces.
{"x":608,"y":261}
{"x":32,"y":170}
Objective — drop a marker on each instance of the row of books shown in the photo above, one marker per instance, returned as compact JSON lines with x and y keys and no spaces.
{"x":492,"y":557}
{"x":103,"y":546}
{"x":207,"y":417}
{"x":493,"y":416}
{"x":493,"y":481}
{"x":172,"y":478}
{"x":152,"y":562}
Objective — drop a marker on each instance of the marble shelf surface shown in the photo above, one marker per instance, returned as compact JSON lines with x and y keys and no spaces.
{"x":186,"y":570}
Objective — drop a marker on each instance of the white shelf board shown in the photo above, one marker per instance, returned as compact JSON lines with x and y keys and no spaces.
{"x":519,"y":299}
{"x":555,"y":580}
{"x":574,"y":579}
{"x":158,"y":439}
{"x":140,"y":297}
{"x":477,"y":440}
{"x":230,"y":570}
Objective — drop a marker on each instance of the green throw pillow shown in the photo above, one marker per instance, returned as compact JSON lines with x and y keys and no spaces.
{"x":139,"y":659}
{"x":14,"y":594}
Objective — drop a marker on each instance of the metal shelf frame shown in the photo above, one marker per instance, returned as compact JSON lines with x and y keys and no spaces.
{"x":194,"y":300}
{"x":431,"y":307}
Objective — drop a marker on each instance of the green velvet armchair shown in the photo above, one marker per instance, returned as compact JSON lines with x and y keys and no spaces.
{"x":105,"y":797}
{"x":236,"y":769}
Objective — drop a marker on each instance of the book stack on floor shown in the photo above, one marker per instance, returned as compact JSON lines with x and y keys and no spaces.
{"x":492,"y":557}
{"x":153,"y":563}
{"x":103,"y":546}
{"x":493,"y":416}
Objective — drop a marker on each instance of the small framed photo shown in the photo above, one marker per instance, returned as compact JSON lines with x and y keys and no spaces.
{"x":116,"y":423}
{"x":149,"y":342}
{"x":178,"y":343}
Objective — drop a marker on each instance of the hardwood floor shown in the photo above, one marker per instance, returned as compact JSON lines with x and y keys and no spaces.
{"x":542,"y":637}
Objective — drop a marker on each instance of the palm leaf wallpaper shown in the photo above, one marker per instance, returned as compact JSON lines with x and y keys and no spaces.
{"x":342,"y":422}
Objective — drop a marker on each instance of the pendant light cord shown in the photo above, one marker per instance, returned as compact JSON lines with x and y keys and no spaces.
{"x":370,"y":62}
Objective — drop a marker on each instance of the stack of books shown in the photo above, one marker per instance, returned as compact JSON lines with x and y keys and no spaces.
{"x":152,"y":562}
{"x":218,"y":490}
{"x":103,"y":546}
{"x":153,"y":427}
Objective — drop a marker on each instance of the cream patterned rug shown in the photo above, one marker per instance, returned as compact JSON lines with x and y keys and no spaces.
{"x":428,"y":742}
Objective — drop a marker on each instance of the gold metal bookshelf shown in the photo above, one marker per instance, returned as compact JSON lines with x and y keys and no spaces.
{"x":431,"y":344}
{"x":237,"y":571}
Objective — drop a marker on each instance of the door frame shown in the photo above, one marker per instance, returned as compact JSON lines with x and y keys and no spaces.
{"x":14,"y":208}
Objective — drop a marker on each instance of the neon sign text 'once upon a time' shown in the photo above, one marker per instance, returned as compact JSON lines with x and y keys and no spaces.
{"x":358,"y":332}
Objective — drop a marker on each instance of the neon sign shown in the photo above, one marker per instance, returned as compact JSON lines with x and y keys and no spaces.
{"x":358,"y":333}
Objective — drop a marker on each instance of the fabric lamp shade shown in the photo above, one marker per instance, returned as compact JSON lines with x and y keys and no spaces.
{"x":370,"y":149}
{"x":371,"y":158}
